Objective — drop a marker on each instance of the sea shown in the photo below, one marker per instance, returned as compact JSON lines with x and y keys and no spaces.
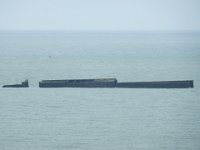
{"x":99,"y":118}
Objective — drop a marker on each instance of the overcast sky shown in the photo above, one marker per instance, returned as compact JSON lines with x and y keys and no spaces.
{"x":99,"y":14}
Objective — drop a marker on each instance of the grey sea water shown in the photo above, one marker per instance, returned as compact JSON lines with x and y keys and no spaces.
{"x":109,"y":119}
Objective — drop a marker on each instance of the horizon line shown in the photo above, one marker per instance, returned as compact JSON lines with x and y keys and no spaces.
{"x":114,"y":30}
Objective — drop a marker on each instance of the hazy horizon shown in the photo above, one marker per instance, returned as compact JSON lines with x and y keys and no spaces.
{"x":88,"y":15}
{"x":100,"y":30}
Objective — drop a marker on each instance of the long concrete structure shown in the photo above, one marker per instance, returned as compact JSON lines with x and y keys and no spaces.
{"x":105,"y":83}
{"x":113,"y":83}
{"x":89,"y":83}
{"x":157,"y":84}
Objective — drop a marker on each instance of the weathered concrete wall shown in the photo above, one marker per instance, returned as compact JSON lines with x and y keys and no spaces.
{"x":87,"y":83}
{"x":22,"y":85}
{"x":157,"y":84}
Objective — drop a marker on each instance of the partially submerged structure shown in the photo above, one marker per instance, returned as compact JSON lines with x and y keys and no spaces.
{"x":89,"y":83}
{"x":157,"y":84}
{"x":105,"y":83}
{"x":22,"y":85}
{"x":113,"y":83}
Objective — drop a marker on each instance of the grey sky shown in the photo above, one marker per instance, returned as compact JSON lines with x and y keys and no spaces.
{"x":100,"y":14}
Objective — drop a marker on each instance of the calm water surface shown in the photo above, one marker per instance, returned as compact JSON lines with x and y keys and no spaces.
{"x":96,"y":119}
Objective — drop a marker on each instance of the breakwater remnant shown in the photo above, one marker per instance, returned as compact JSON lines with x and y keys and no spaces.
{"x":89,"y":83}
{"x":113,"y":83}
{"x":157,"y":84}
{"x":24,"y":84}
